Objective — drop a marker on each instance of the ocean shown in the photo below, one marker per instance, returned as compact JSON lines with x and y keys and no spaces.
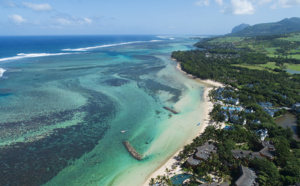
{"x":64,"y":101}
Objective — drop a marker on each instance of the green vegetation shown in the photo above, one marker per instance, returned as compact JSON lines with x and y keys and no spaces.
{"x":255,"y":67}
{"x":295,"y":67}
{"x":270,"y":66}
{"x":293,"y":37}
{"x":252,"y":78}
{"x":239,"y":28}
{"x":281,"y":27}
{"x":227,"y":39}
{"x":282,"y":49}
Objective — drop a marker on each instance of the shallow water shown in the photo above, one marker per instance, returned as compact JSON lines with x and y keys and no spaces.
{"x":61,"y":115}
{"x":292,"y":71}
{"x":289,"y":120}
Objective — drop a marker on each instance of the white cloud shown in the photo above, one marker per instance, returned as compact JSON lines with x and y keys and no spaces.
{"x":207,"y":2}
{"x":73,"y":21}
{"x":261,"y":2}
{"x":285,"y":3}
{"x":241,"y":7}
{"x":219,"y":2}
{"x":87,"y":20}
{"x":38,"y":7}
{"x":203,"y":2}
{"x":64,"y":21}
{"x":17,"y":19}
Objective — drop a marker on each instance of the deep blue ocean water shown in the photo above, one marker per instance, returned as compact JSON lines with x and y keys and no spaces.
{"x":65,"y":99}
{"x":13,"y":45}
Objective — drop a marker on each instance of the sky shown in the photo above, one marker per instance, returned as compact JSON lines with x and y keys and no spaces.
{"x":163,"y":17}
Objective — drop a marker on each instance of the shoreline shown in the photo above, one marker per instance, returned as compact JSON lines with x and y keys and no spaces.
{"x":208,"y":86}
{"x":206,"y":82}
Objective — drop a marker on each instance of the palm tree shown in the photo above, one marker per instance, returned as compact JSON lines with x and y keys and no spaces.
{"x":152,"y":182}
{"x":208,"y":179}
{"x":169,"y":182}
{"x":190,"y":170}
{"x":167,"y":171}
{"x":158,"y":178}
{"x":193,"y":177}
{"x":164,"y":180}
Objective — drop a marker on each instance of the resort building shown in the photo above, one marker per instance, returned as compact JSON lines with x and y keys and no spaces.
{"x":232,"y":101}
{"x":204,"y":151}
{"x":262,"y":133}
{"x":296,"y":107}
{"x":270,"y":111}
{"x":268,"y":151}
{"x":215,"y":184}
{"x":202,"y":154}
{"x":256,"y":121}
{"x":265,"y":104}
{"x":249,"y":111}
{"x":268,"y":107}
{"x":239,"y":154}
{"x":247,"y":177}
{"x":192,"y":162}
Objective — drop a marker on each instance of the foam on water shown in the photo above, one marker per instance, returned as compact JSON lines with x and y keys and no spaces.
{"x":105,"y":46}
{"x":166,"y":37}
{"x":2,"y":72}
{"x":22,"y":55}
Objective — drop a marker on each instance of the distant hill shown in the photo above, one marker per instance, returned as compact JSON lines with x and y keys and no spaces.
{"x":281,"y":27}
{"x":239,"y":28}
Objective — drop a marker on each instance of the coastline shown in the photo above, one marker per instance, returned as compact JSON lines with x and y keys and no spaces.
{"x":209,"y":84}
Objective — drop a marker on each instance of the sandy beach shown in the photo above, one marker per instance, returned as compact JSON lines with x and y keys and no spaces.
{"x":209,"y":84}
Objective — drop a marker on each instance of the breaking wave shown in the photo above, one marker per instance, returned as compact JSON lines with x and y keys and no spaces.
{"x":22,"y":55}
{"x":2,"y":72}
{"x":105,"y":46}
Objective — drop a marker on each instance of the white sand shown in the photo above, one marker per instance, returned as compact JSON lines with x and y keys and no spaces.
{"x":208,"y":107}
{"x":206,"y":82}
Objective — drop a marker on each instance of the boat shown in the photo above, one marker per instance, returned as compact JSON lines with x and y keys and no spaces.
{"x":198,"y":124}
{"x":123,"y":131}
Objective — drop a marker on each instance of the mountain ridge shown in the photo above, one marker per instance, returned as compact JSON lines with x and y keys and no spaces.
{"x":286,"y":25}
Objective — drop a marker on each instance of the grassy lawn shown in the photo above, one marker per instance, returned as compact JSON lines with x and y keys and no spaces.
{"x":271,"y":65}
{"x":294,"y":37}
{"x":227,"y":39}
{"x":271,"y":50}
{"x":295,"y":56}
{"x":295,"y":67}
{"x":253,"y":67}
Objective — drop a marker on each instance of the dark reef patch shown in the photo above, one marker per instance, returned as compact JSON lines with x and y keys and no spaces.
{"x":116,"y":82}
{"x":37,"y":162}
{"x":153,"y":87}
{"x":5,"y":92}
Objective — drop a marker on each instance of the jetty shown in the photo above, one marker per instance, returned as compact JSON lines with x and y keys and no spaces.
{"x":132,"y":151}
{"x":171,"y":110}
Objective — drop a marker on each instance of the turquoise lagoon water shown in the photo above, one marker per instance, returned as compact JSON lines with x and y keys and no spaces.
{"x":65,"y":99}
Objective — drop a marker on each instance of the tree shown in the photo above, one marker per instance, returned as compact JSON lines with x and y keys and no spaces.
{"x":158,"y":178}
{"x":190,"y":170}
{"x":266,"y":169}
{"x":152,"y":182}
{"x":208,"y":179}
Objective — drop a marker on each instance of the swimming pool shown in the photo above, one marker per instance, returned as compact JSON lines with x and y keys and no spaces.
{"x":232,"y":108}
{"x":179,"y":179}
